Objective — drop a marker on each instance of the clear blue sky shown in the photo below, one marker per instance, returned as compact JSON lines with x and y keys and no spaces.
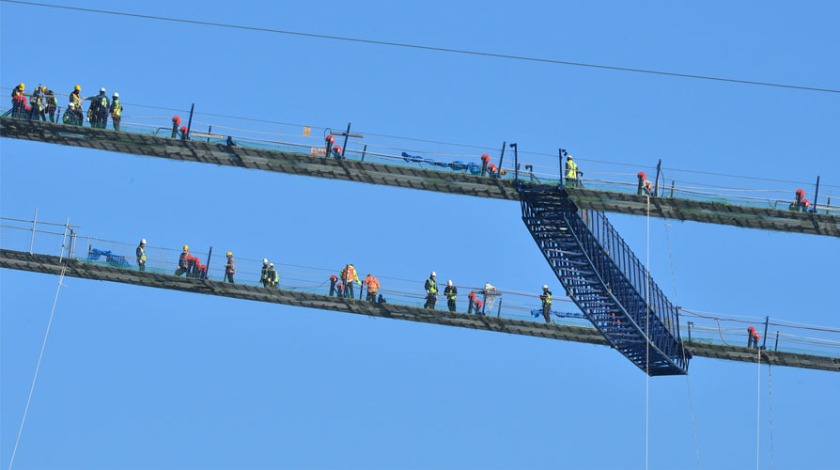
{"x":139,"y":378}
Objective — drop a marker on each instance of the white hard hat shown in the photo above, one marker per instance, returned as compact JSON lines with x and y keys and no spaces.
{"x":545,"y":286}
{"x":449,"y":282}
{"x":434,"y":274}
{"x":116,"y":95}
{"x":271,"y":265}
{"x":143,"y":241}
{"x":102,"y":90}
{"x":265,"y":260}
{"x":72,"y":105}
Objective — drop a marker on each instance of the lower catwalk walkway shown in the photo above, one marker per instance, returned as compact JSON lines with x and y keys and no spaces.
{"x":46,"y":264}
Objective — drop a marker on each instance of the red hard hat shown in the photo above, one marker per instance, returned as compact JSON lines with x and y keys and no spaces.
{"x":492,"y":167}
{"x":750,"y":329}
{"x":800,"y":192}
{"x":642,"y":174}
{"x":806,"y":202}
{"x":485,"y":157}
{"x":329,"y":138}
{"x":176,"y":120}
{"x":337,"y":149}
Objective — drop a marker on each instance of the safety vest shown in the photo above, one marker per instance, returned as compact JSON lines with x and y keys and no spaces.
{"x":141,"y":254}
{"x":571,"y":169}
{"x":116,"y":108}
{"x":348,"y":274}
{"x":450,"y":292}
{"x":103,"y":103}
{"x":372,"y":284}
{"x":546,"y":298}
{"x":431,"y":286}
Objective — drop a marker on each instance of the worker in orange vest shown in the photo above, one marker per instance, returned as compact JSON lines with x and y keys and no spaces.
{"x":478,"y":306}
{"x":471,"y":302}
{"x":645,"y":186}
{"x":485,"y":160}
{"x":372,"y":285}
{"x":349,"y":276}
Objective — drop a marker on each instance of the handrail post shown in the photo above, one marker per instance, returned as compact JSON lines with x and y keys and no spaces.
{"x":656,"y":182}
{"x":816,"y":194}
{"x":499,"y":311}
{"x":186,"y":135}
{"x":64,"y":240}
{"x":560,"y":153}
{"x":501,"y":158}
{"x":346,"y":136}
{"x":515,"y":163}
{"x":34,"y":222}
{"x":209,"y":254}
{"x":776,"y":348}
{"x":766,"y":323}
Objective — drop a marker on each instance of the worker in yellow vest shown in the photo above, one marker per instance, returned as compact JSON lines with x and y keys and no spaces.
{"x":450,"y":292}
{"x":431,"y":291}
{"x":116,"y":111}
{"x":348,"y":275}
{"x":546,"y":303}
{"x":571,"y":172}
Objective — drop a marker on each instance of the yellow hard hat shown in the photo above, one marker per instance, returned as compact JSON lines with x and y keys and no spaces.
{"x":44,"y":88}
{"x":21,"y":86}
{"x":186,"y":247}
{"x":229,"y":253}
{"x":78,"y":88}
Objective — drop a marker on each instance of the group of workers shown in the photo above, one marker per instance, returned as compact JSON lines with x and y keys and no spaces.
{"x":800,"y":202}
{"x":43,"y":104}
{"x":343,"y":285}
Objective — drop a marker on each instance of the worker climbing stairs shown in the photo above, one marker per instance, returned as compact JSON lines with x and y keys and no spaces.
{"x":605,"y":279}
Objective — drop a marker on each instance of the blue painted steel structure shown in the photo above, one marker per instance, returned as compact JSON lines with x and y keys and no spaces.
{"x":605,"y":279}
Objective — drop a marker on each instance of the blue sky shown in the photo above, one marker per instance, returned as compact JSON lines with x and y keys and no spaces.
{"x":138,"y":378}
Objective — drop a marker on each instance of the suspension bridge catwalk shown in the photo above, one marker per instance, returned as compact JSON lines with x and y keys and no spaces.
{"x":414,"y":178}
{"x":53,"y":265}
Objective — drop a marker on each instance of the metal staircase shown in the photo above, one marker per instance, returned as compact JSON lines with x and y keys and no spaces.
{"x":605,"y":279}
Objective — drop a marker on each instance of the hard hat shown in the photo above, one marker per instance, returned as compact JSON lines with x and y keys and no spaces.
{"x":102,"y":90}
{"x":449,"y":282}
{"x":72,"y":105}
{"x":21,"y":86}
{"x":545,"y":286}
{"x":337,"y":149}
{"x":271,"y":265}
{"x":642,"y":174}
{"x":44,"y":88}
{"x":78,"y":88}
{"x":569,"y":155}
{"x":265,"y":260}
{"x":484,"y":156}
{"x":116,"y":95}
{"x":434,"y":274}
{"x":186,"y":247}
{"x":143,"y":241}
{"x":229,"y":254}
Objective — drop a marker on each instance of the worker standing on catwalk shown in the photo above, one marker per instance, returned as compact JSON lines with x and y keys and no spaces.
{"x":571,"y":172}
{"x":333,"y":282}
{"x":184,"y":262}
{"x":264,"y":273}
{"x":450,"y":292}
{"x":471,"y":301}
{"x":141,"y":255}
{"x":372,"y":285}
{"x":273,"y":276}
{"x":230,"y":268}
{"x":546,"y":303}
{"x":645,"y":186}
{"x":116,"y":111}
{"x":431,"y":291}
{"x":349,"y":276}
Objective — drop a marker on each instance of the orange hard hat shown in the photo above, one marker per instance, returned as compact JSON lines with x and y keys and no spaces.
{"x":642,"y":174}
{"x":485,"y":157}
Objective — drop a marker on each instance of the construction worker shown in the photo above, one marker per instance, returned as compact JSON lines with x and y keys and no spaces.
{"x":372,"y":284}
{"x":98,"y":110}
{"x":38,"y":104}
{"x":273,"y":276}
{"x":349,"y":276}
{"x":264,"y":273}
{"x":471,"y":300}
{"x":490,"y":293}
{"x":333,"y":282}
{"x":450,"y":292}
{"x":337,"y":151}
{"x":329,"y":141}
{"x":478,"y":307}
{"x":797,"y":202}
{"x":141,"y":255}
{"x":116,"y":111}
{"x":546,"y":303}
{"x":485,"y":160}
{"x":18,"y":103}
{"x":492,"y":171}
{"x":184,"y":262}
{"x":72,"y":116}
{"x":750,"y":336}
{"x":431,"y":291}
{"x":176,"y":121}
{"x":339,"y":287}
{"x":76,"y":98}
{"x":52,"y":103}
{"x":571,"y":172}
{"x":645,"y":187}
{"x":230,"y":267}
{"x":806,"y":205}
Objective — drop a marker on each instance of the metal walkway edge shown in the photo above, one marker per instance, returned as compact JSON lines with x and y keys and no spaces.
{"x":45,"y":264}
{"x":414,"y":178}
{"x":606,"y":280}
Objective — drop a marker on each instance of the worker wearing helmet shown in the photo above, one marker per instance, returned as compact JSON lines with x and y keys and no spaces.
{"x":485,"y":160}
{"x":450,"y":292}
{"x":329,"y":141}
{"x":645,"y":186}
{"x":333,"y":282}
{"x":38,"y":104}
{"x":571,"y":172}
{"x":141,"y":255}
{"x":471,"y":302}
{"x":372,"y":285}
{"x":52,"y":103}
{"x":230,"y":267}
{"x":546,"y":304}
{"x":76,"y":101}
{"x":116,"y":111}
{"x":273,"y":277}
{"x":98,"y":110}
{"x":349,"y":276}
{"x":18,"y":101}
{"x":184,"y":262}
{"x":431,"y":291}
{"x":264,"y":273}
